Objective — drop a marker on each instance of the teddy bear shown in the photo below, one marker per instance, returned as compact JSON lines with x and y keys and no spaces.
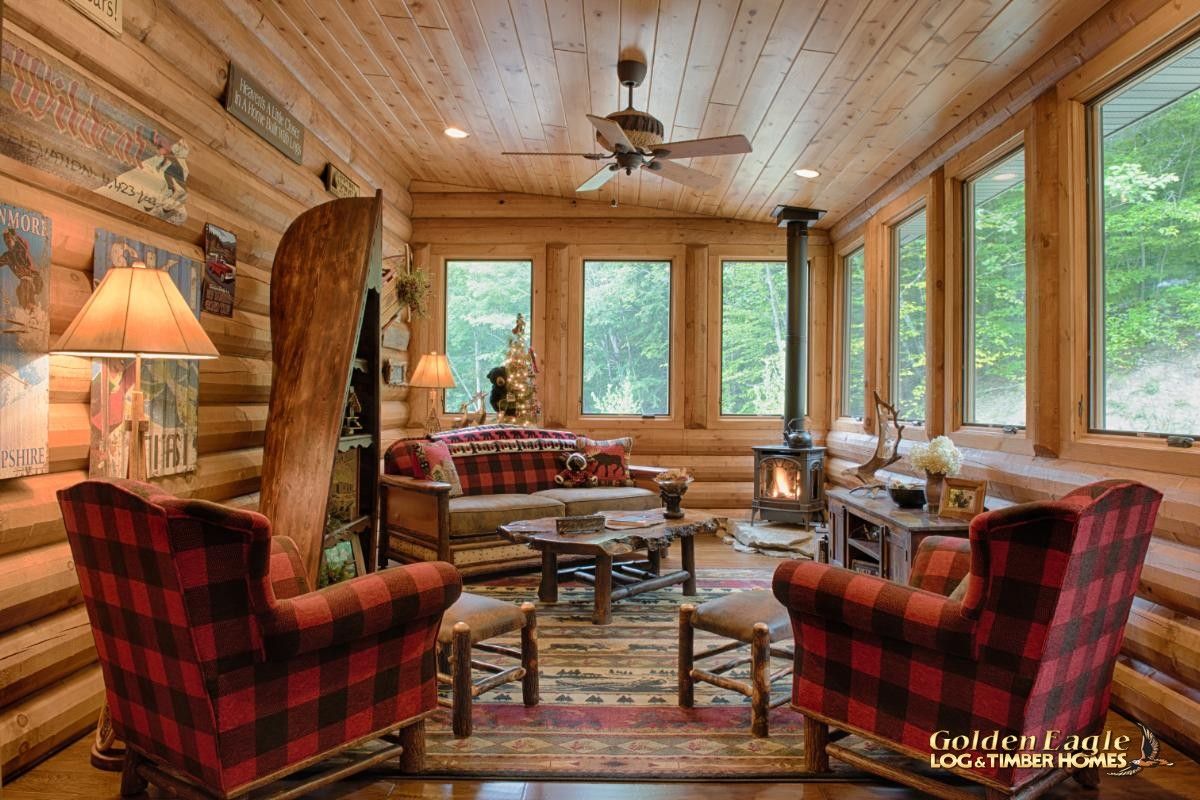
{"x":499,"y":380}
{"x":575,"y":472}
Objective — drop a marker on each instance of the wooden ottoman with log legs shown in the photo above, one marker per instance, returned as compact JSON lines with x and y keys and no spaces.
{"x":466,"y":626}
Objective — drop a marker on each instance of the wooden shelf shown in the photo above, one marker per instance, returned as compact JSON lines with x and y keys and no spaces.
{"x":357,"y":440}
{"x":863,"y":546}
{"x":347,"y":529}
{"x":361,"y":365}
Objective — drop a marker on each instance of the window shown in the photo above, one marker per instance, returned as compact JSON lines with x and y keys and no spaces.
{"x":994,"y":351}
{"x":854,"y":334}
{"x":908,"y":345}
{"x":1146,"y":252}
{"x":753,"y":337}
{"x":483,"y":299}
{"x":626,"y":337}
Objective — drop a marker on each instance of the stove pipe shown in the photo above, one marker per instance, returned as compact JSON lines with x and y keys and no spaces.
{"x":796,"y":220}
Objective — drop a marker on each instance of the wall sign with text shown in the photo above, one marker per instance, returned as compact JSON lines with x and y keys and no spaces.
{"x":55,"y":119}
{"x":246,"y":99}
{"x":338,"y":183}
{"x":24,"y":341}
{"x":220,"y":270}
{"x":105,"y":13}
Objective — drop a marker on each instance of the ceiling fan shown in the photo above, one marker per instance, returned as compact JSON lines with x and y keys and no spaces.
{"x":634,"y":141}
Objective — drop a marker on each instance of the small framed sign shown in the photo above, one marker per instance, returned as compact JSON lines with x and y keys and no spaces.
{"x":105,"y":13}
{"x":220,"y":270}
{"x":246,"y":99}
{"x":338,"y":183}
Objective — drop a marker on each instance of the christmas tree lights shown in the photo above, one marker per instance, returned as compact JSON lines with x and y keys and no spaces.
{"x":521,"y":405}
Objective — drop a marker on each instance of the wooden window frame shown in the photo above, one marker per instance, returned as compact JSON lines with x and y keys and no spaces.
{"x":717,"y":256}
{"x":1140,"y":48}
{"x":1014,"y":134}
{"x":842,"y":251}
{"x":436,"y":336}
{"x":618,"y":425}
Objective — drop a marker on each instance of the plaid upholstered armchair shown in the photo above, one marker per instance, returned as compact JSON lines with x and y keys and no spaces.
{"x":1029,"y":648}
{"x":223,"y":671}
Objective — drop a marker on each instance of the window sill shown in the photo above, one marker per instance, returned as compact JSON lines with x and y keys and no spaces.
{"x":995,"y":439}
{"x":1151,"y":454}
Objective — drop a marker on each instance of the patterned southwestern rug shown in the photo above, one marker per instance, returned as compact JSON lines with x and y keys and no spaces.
{"x":608,"y":701}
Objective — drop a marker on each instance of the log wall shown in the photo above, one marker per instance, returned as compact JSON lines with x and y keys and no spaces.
{"x":171,"y":64}
{"x":556,"y":235}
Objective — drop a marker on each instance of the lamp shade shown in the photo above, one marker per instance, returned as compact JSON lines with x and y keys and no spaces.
{"x":432,"y":372}
{"x":136,"y":311}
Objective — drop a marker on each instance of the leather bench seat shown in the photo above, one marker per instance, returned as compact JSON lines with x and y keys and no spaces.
{"x":602,"y":498}
{"x":471,"y":515}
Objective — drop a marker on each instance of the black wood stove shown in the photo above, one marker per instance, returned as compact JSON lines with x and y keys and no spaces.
{"x":789,"y":479}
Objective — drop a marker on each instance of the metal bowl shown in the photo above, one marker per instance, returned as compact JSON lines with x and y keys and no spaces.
{"x":907,"y":496}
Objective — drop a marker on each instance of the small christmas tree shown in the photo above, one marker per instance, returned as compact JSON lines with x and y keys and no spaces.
{"x":521,"y":405}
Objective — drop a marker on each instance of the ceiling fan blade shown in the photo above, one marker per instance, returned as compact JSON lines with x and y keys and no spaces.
{"x":611,"y":132}
{"x":685,"y":175}
{"x":599,"y":179}
{"x":695,"y":148}
{"x":592,"y":156}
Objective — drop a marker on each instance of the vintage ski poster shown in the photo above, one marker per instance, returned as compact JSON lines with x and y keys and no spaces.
{"x":24,"y":341}
{"x":53,"y":118}
{"x":220,"y":270}
{"x":171,"y":387}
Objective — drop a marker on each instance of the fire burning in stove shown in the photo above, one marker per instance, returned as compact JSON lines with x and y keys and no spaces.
{"x":783,"y":482}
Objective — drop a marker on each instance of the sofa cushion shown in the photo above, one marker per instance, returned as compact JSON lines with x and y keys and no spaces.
{"x":483,"y":513}
{"x":432,"y":462}
{"x":602,"y":498}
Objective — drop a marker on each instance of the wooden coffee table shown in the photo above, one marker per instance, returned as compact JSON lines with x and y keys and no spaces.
{"x":608,"y":550}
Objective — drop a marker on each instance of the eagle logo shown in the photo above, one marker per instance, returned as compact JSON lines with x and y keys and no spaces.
{"x":1150,"y":748}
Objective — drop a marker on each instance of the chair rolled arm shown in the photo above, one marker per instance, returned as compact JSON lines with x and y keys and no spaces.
{"x":360,"y":607}
{"x":941,"y":563}
{"x":414,"y":484}
{"x":823,"y":592}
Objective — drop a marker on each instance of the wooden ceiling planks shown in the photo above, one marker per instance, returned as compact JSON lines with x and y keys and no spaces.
{"x":853,"y":88}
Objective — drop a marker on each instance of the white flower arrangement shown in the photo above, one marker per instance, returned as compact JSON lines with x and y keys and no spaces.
{"x":939,"y":457}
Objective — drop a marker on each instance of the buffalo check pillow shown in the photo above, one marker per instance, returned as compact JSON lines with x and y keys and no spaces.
{"x":432,"y":462}
{"x":607,"y":460}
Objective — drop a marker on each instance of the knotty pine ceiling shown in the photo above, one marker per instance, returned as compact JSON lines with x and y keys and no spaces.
{"x":853,"y":88}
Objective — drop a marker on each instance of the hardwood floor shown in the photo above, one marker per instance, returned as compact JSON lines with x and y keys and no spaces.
{"x":69,"y":776}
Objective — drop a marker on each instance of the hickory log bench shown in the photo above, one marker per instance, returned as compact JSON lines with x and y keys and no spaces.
{"x":614,"y":569}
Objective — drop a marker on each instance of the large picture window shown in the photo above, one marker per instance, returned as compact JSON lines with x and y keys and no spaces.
{"x":627,"y":337}
{"x":909,"y":240}
{"x":994,"y":351}
{"x":854,"y":334}
{"x":753,"y":337}
{"x":483,"y":299}
{"x":1146,"y":256}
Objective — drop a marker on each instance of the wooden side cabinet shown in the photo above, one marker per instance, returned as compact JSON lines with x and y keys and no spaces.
{"x":875,"y":536}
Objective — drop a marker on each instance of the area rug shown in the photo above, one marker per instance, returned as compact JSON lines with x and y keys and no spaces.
{"x":608,"y":707}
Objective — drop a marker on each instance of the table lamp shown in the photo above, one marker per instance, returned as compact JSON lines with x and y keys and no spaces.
{"x":136,"y":313}
{"x":432,"y":373}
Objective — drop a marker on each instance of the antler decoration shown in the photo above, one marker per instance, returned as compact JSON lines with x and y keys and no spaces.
{"x":866,"y":472}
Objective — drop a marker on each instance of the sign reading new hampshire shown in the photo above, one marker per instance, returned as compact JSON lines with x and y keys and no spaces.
{"x":55,"y":119}
{"x":247,"y":100}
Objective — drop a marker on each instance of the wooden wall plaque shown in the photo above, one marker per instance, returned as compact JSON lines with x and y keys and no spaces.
{"x":105,"y":13}
{"x":338,"y":183}
{"x":246,"y":99}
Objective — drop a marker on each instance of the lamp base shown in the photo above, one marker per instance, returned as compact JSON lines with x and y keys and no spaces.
{"x":432,"y":423}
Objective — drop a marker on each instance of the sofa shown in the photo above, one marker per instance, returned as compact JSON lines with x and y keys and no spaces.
{"x":507,"y":473}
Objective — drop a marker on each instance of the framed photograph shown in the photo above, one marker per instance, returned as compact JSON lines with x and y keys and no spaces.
{"x":341,"y":561}
{"x":962,"y":498}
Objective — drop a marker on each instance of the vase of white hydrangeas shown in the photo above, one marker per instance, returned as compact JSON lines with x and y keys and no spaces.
{"x":939,"y":458}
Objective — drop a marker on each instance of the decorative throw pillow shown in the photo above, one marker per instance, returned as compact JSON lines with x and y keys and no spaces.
{"x":608,"y":460}
{"x":575,"y":472}
{"x":433,"y":462}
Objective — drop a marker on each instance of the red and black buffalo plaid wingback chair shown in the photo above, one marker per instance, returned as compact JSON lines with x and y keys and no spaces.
{"x":223,"y":671}
{"x":1030,"y":647}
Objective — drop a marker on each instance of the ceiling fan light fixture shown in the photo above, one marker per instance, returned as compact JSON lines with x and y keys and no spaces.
{"x":807,"y":173}
{"x":456,"y":133}
{"x":643,"y":130}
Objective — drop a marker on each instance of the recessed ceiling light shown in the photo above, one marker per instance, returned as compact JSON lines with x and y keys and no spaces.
{"x":1006,"y":176}
{"x":456,"y":133}
{"x":808,"y":173}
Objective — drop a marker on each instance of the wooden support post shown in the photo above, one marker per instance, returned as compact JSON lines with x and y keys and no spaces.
{"x":132,"y":783}
{"x":760,"y":695}
{"x":602,"y":613}
{"x":529,"y":656}
{"x":655,"y":559}
{"x":548,"y":588}
{"x":816,"y":737}
{"x":460,"y":672}
{"x":412,"y":739}
{"x":687,"y":694}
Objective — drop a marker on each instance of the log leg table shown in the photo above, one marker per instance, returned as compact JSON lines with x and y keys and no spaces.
{"x":614,"y":569}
